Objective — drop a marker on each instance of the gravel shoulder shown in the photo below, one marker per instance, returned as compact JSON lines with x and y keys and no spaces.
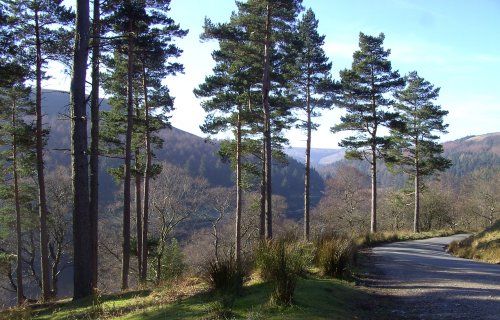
{"x":419,"y":280}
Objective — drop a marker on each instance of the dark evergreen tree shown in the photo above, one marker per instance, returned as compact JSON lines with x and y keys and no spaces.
{"x":316,"y":90}
{"x":149,"y":32}
{"x":94,"y":135}
{"x":415,"y":149}
{"x":83,"y":247}
{"x":17,"y":160}
{"x":365,"y":90}
{"x":230,"y":101}
{"x":40,"y":36}
{"x":267,"y":26}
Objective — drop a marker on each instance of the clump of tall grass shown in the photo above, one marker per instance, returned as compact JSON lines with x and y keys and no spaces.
{"x":281,"y":262}
{"x":334,"y":255}
{"x":223,"y":275}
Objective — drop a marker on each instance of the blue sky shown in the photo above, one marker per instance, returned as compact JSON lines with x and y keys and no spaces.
{"x":454,"y":44}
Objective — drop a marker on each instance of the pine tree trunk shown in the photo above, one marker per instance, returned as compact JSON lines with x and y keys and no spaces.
{"x":42,"y":199}
{"x":266,"y":88}
{"x":94,"y":140}
{"x":416,"y":220}
{"x":128,"y":151}
{"x":238,"y":191}
{"x":373,"y":170}
{"x":147,"y":169}
{"x":19,"y":240}
{"x":262,"y":216}
{"x":82,"y":238}
{"x":138,"y":211}
{"x":307,"y":176}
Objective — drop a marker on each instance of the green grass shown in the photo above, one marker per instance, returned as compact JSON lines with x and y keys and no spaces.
{"x":315,"y":298}
{"x":484,"y":246}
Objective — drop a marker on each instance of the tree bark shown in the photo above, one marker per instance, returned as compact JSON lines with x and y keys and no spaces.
{"x":373,"y":170}
{"x":138,"y":211}
{"x":82,"y":238}
{"x":308,"y":166}
{"x":416,"y":220}
{"x":147,"y":169}
{"x":42,"y":199}
{"x":238,"y":191}
{"x":94,"y":140}
{"x":19,"y":246}
{"x":266,"y":88}
{"x":128,"y":151}
{"x":262,"y":214}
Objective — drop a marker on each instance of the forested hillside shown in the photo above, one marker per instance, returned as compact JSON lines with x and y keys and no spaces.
{"x":198,"y":156}
{"x":467,"y":154}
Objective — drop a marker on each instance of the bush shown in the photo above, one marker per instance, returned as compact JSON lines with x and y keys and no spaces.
{"x":335,"y":255}
{"x":281,"y":263}
{"x":223,"y":275}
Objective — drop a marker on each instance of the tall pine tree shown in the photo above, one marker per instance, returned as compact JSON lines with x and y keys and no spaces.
{"x":416,"y":150}
{"x":364,"y":96}
{"x":41,"y":36}
{"x":144,"y":34}
{"x":18,"y":155}
{"x":269,"y":26}
{"x":83,"y":247}
{"x":316,"y":90}
{"x":230,"y":100}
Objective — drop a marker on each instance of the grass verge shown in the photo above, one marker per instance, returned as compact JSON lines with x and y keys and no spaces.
{"x":316,"y":298}
{"x":484,"y":246}
{"x":378,"y":238}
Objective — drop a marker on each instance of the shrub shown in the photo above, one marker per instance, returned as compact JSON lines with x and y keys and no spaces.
{"x":281,"y":262}
{"x":223,"y":275}
{"x":335,"y":255}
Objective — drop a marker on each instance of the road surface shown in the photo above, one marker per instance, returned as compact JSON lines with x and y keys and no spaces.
{"x":419,"y":280}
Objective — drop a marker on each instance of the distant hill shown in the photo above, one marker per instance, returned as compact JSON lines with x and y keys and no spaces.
{"x":487,"y":143}
{"x":472,"y":153}
{"x":319,"y":157}
{"x":467,"y":155}
{"x":180,"y":148}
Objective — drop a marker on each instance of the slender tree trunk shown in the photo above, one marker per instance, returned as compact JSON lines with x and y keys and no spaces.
{"x":307,"y":176}
{"x":373,"y":170}
{"x":19,"y":240}
{"x":147,"y":169}
{"x":262,"y":216}
{"x":128,"y":151}
{"x":42,"y":199}
{"x":138,"y":209}
{"x":82,"y":238}
{"x":238,"y":191}
{"x":416,"y":220}
{"x":266,"y":88}
{"x":94,"y":140}
{"x":373,"y":220}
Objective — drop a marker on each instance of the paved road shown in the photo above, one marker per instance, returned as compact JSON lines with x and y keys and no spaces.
{"x":422,"y":281}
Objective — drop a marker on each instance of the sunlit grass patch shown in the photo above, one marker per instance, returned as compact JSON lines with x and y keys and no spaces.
{"x":484,"y":246}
